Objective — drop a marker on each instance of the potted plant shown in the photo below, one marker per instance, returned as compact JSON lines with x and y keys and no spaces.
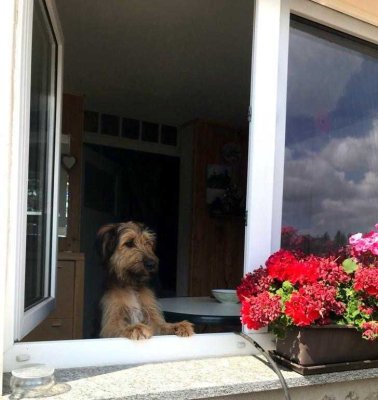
{"x":323,"y":309}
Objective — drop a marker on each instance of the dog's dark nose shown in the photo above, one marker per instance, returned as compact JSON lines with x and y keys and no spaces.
{"x":149,"y":264}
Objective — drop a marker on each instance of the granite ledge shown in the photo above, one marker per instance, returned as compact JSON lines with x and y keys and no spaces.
{"x":183,"y":380}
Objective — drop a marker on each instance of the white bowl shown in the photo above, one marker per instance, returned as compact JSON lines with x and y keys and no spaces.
{"x":225,"y":295}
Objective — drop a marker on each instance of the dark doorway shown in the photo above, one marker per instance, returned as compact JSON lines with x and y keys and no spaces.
{"x":122,"y":185}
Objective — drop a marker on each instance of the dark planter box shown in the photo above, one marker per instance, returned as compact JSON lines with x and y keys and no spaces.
{"x":329,"y":344}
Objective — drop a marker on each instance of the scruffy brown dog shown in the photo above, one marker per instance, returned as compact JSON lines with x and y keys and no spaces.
{"x":129,"y":307}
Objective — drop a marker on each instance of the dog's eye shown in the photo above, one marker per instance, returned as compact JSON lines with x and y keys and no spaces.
{"x":129,"y":243}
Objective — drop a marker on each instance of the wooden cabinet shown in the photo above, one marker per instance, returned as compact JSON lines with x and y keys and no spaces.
{"x":66,"y":321}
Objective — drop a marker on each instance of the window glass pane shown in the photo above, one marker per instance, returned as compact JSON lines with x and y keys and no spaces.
{"x":150,"y":132}
{"x":169,"y":135}
{"x":91,"y":121}
{"x":109,"y":124}
{"x":42,"y":103}
{"x":331,"y":150}
{"x":130,"y":128}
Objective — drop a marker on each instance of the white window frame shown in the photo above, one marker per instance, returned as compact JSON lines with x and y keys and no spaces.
{"x":8,"y":14}
{"x":18,"y":321}
{"x":25,"y":321}
{"x":264,"y":199}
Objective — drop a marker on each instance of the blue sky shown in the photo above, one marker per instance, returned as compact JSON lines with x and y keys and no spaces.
{"x":331,"y":159}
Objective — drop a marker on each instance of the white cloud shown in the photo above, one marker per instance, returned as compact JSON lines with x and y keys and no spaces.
{"x":354,"y":153}
{"x":335,"y":188}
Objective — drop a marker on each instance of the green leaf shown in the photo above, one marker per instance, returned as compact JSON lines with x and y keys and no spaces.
{"x":349,"y":266}
{"x":285,"y":291}
{"x":287,"y":286}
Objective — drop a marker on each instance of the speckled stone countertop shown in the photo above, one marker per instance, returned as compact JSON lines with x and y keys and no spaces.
{"x":194,"y":379}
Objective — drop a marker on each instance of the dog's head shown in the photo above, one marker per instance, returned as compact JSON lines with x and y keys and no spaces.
{"x":127,"y":250}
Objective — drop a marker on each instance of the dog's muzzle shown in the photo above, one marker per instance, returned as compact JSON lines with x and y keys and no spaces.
{"x":150,"y":265}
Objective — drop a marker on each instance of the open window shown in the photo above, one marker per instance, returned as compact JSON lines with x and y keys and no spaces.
{"x":158,"y":135}
{"x":36,"y":293}
{"x":138,"y":156}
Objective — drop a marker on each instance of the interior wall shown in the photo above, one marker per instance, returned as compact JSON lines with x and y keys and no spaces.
{"x":164,"y":61}
{"x":72,"y":125}
{"x":185,"y":209}
{"x":216,"y":242}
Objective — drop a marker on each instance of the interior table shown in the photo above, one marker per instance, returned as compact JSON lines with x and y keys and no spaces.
{"x":200,"y":310}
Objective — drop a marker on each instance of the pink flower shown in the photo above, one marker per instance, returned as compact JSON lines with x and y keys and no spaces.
{"x":355,"y":238}
{"x":364,"y":243}
{"x":374,"y":248}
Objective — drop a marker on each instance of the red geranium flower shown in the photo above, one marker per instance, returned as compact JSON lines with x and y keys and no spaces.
{"x":366,"y":280}
{"x":313,"y":302}
{"x":297,"y":289}
{"x":302,"y":310}
{"x":260,"y":310}
{"x":253,"y":283}
{"x":332,"y":273}
{"x":278,"y":264}
{"x":370,"y":330}
{"x":304,"y":271}
{"x":285,"y":266}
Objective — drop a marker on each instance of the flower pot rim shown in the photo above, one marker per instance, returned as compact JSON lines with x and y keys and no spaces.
{"x":333,"y":326}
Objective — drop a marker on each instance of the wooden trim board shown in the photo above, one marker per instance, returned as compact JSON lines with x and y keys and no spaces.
{"x":365,"y":10}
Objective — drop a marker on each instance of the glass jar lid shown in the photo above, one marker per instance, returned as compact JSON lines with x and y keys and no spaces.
{"x":33,"y":371}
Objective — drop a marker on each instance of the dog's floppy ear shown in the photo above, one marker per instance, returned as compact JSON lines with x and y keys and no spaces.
{"x":106,"y":241}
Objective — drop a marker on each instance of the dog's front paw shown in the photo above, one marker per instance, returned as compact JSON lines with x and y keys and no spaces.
{"x":183,"y":328}
{"x":138,"y":332}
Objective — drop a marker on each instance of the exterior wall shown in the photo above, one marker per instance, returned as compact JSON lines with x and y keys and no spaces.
{"x":365,"y":10}
{"x":356,"y":390}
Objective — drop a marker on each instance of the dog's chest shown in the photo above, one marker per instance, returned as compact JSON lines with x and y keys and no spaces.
{"x":136,"y":314}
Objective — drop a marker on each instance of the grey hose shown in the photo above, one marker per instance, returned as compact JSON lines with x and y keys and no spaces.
{"x":270,"y":361}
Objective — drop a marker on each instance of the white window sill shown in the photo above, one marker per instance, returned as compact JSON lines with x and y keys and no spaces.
{"x":198,"y":379}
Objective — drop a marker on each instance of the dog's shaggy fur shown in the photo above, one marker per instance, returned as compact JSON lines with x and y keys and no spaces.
{"x":129,"y":307}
